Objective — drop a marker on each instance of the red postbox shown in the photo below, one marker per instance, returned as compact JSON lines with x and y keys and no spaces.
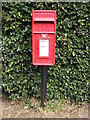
{"x":43,"y":37}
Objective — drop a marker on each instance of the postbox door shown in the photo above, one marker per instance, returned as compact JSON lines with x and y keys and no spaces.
{"x":44,"y":49}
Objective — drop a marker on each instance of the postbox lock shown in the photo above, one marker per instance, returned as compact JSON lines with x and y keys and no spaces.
{"x":44,"y":35}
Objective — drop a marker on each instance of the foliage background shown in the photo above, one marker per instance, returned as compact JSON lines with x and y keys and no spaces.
{"x":69,"y":77}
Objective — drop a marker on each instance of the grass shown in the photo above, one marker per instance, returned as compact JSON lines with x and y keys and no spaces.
{"x":52,"y":105}
{"x":56,"y":105}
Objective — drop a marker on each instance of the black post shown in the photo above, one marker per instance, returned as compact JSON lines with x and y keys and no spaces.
{"x":43,"y":85}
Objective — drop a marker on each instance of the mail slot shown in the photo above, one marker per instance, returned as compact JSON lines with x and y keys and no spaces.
{"x":43,"y":37}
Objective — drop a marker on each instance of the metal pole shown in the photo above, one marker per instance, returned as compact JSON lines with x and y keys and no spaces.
{"x":43,"y":85}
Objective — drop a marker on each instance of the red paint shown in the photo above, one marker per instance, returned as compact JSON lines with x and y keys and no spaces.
{"x":43,"y":22}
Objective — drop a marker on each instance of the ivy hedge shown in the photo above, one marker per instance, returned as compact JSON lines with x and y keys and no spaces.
{"x":69,"y":77}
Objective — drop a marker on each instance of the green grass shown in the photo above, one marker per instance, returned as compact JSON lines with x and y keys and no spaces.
{"x":52,"y":105}
{"x":56,"y":105}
